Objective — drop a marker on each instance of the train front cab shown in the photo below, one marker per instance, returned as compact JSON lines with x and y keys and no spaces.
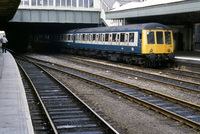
{"x":158,"y":46}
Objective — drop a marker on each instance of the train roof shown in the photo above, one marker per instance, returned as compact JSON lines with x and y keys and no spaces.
{"x":147,"y":26}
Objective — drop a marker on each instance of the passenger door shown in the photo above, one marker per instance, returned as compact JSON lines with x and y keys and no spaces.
{"x":133,"y":39}
{"x":118,"y":39}
{"x":126,"y":42}
{"x":160,"y":46}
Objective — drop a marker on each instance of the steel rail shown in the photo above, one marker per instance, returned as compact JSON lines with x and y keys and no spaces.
{"x":151,"y":69}
{"x":197,"y":73}
{"x":39,"y":98}
{"x":125,"y":68}
{"x":106,"y":124}
{"x":172,"y":79}
{"x":124,"y":83}
{"x":178,"y":72}
{"x":104,"y":77}
{"x":147,"y":104}
{"x":91,"y":110}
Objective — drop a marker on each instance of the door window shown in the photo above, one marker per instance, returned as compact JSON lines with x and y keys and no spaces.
{"x":168,"y":38}
{"x":150,"y":38}
{"x":159,"y":37}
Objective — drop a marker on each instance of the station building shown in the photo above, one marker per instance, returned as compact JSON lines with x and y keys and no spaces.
{"x":53,"y":16}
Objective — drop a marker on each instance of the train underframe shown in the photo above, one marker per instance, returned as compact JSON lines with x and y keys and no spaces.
{"x":147,"y":60}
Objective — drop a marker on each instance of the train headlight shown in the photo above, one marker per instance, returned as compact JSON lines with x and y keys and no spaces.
{"x":168,"y":50}
{"x":151,"y":50}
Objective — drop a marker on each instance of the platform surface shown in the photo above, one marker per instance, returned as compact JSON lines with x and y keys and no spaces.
{"x":187,"y":55}
{"x":14,"y":113}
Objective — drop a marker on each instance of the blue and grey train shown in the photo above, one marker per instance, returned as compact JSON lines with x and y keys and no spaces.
{"x":149,"y":44}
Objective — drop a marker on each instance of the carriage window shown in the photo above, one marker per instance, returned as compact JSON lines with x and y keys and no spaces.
{"x":106,"y":37}
{"x":97,"y":37}
{"x":100,"y":37}
{"x":69,"y":3}
{"x":159,"y":37}
{"x":77,"y":37}
{"x":126,"y":37}
{"x":80,"y":3}
{"x":93,"y":37}
{"x":86,"y":37}
{"x":68,"y":37}
{"x":74,"y":3}
{"x":71,"y":37}
{"x":89,"y":37}
{"x":122,"y":37}
{"x":114,"y":37}
{"x":86,"y":3}
{"x":118,"y":37}
{"x":150,"y":38}
{"x":81,"y":37}
{"x":168,"y":38}
{"x":110,"y":38}
{"x":103,"y":37}
{"x":91,"y":3}
{"x":62,"y":2}
{"x":65,"y":37}
{"x":131,"y":37}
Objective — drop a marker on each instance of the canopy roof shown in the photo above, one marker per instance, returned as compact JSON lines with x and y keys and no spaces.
{"x":8,"y":9}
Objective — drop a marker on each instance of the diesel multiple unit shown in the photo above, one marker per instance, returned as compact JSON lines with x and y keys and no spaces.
{"x":149,"y":44}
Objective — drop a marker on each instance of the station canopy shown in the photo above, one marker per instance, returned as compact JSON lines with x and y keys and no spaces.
{"x":8,"y":9}
{"x":142,"y":3}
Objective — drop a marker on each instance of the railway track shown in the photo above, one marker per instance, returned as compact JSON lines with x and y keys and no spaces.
{"x":184,"y":73}
{"x":39,"y":118}
{"x":181,"y":84}
{"x":191,"y":74}
{"x":66,"y":113}
{"x":185,"y":64}
{"x":182,"y":111}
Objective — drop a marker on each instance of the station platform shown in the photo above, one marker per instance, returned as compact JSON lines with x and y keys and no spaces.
{"x":189,"y":59}
{"x":14,"y":112}
{"x":187,"y":55}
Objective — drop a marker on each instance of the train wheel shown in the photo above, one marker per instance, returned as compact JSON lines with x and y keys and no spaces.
{"x":151,"y":64}
{"x":143,"y":64}
{"x":81,"y":53}
{"x":129,"y":61}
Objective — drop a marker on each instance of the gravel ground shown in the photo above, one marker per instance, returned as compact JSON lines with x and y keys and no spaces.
{"x":129,"y":117}
{"x":147,"y":70}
